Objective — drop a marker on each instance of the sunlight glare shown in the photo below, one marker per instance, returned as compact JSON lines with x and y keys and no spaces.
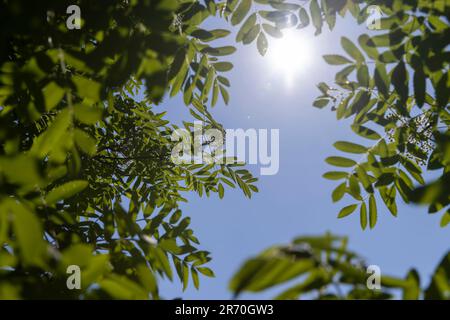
{"x":291,"y":55}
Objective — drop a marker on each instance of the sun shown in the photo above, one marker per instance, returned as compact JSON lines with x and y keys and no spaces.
{"x":291,"y":55}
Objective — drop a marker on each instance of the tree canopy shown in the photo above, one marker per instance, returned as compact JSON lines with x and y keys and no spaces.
{"x":76,"y":143}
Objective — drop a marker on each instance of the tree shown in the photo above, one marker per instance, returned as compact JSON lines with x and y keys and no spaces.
{"x":75,"y":144}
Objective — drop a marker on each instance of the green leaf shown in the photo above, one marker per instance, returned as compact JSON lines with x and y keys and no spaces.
{"x":28,"y":232}
{"x":400,"y":81}
{"x":365,"y":132}
{"x":350,"y":147}
{"x":363,"y":76}
{"x":347,"y":210}
{"x":272,"y":31}
{"x":221,"y":191}
{"x":420,"y":86}
{"x":363,"y":216}
{"x":352,"y":50}
{"x":316,"y":16}
{"x":335,"y":59}
{"x":86,"y":87}
{"x":340,"y":162}
{"x":445,"y":220}
{"x":210,"y":35}
{"x":354,"y":189}
{"x":52,"y":95}
{"x":321,"y":102}
{"x":339,"y":192}
{"x":219,"y":51}
{"x":304,"y":17}
{"x":195,"y":279}
{"x":65,"y":191}
{"x":206,"y":272}
{"x":335,"y":175}
{"x":88,"y":114}
{"x":223,"y":66}
{"x":262,"y":44}
{"x":246,"y":27}
{"x":412,"y":290}
{"x":225,"y":95}
{"x":85,"y":142}
{"x":388,"y":196}
{"x":372,"y":211}
{"x":51,"y":139}
{"x":251,"y":35}
{"x":240,"y":12}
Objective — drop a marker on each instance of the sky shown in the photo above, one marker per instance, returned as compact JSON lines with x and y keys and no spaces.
{"x":297,"y":200}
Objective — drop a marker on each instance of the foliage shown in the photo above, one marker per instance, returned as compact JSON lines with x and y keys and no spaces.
{"x":395,"y":86}
{"x":394,"y":81}
{"x":75,"y":143}
{"x":76,"y":146}
{"x":322,"y":267}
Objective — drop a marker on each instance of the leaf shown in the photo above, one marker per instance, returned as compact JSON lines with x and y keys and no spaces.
{"x":354,"y":189}
{"x":86,"y":87}
{"x":120,"y":287}
{"x":251,"y":35}
{"x":352,"y":50}
{"x":221,"y":191}
{"x":321,"y":102}
{"x":210,"y":35}
{"x":412,"y":290}
{"x":195,"y":279}
{"x":445,"y":220}
{"x":240,"y":12}
{"x":372,"y":211}
{"x":400,"y":81}
{"x":365,"y":43}
{"x":363,"y":76}
{"x":223,"y":66}
{"x":350,"y":147}
{"x":340,"y":162}
{"x":52,"y":95}
{"x":85,"y":142}
{"x":87,"y":114}
{"x":50,"y":139}
{"x":65,"y":191}
{"x":272,"y":31}
{"x":246,"y":27}
{"x":335,"y":59}
{"x":264,"y":272}
{"x":335,"y":175}
{"x":347,"y":210}
{"x":339,"y":192}
{"x":388,"y":196}
{"x":225,"y":95}
{"x":420,"y":86}
{"x":28,"y":231}
{"x":363,"y":216}
{"x":262,"y":44}
{"x":304,"y":18}
{"x":365,"y":132}
{"x":342,"y":76}
{"x":316,"y":16}
{"x":206,"y":272}
{"x":219,"y":51}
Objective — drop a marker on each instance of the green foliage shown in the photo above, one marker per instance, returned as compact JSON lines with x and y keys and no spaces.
{"x":75,"y":146}
{"x":323,"y":268}
{"x":409,"y":129}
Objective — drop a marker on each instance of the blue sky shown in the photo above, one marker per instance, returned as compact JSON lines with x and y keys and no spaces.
{"x":297,"y":200}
